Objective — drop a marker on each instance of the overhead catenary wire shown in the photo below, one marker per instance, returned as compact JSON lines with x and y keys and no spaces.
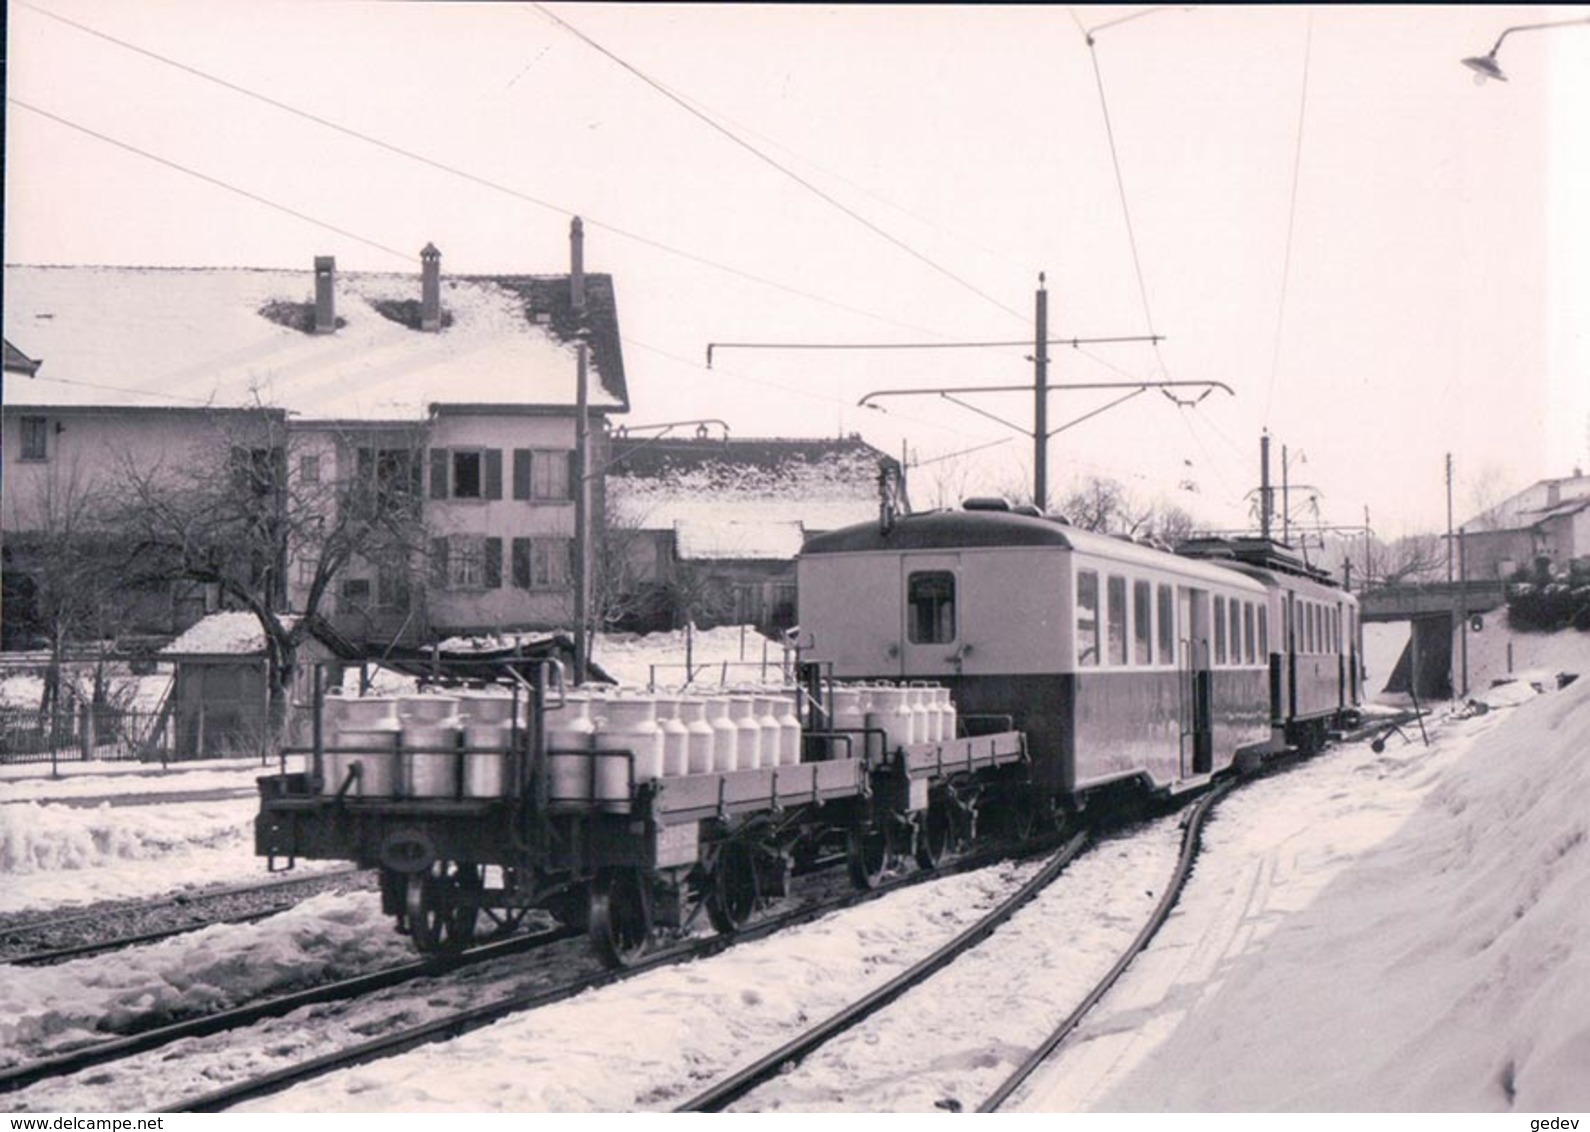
{"x":483,"y":182}
{"x":407,"y":257}
{"x":779,"y":166}
{"x":1291,"y":221}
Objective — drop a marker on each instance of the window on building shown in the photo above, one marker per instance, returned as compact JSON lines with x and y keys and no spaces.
{"x":468,"y":480}
{"x":930,"y":607}
{"x":35,"y":438}
{"x":309,"y":469}
{"x":354,"y":596}
{"x":1142,"y":623}
{"x":466,"y":473}
{"x":1115,"y":618}
{"x":466,"y":562}
{"x":1087,"y":618}
{"x":543,"y":474}
{"x":1167,"y":625}
{"x":392,"y":587}
{"x":1220,"y":630}
{"x":542,"y":563}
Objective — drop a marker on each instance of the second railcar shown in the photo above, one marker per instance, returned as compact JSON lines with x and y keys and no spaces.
{"x":1118,"y":661}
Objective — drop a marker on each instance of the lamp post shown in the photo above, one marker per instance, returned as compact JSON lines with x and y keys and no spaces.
{"x":1486,"y":67}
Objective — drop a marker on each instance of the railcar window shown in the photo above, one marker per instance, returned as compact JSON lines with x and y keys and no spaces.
{"x":1336,"y":630}
{"x":1142,"y":623}
{"x":1167,"y":625}
{"x":1116,"y":621}
{"x":1313,"y":627}
{"x":931,"y":597}
{"x":1087,"y":617}
{"x":1220,"y":630}
{"x":1236,"y":631}
{"x":1264,"y":634}
{"x":1247,"y":632}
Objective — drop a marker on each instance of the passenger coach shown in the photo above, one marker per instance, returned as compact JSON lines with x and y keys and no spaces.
{"x":1119,"y":661}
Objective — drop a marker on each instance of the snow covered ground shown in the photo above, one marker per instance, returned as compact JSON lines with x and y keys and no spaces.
{"x":1397,"y":931}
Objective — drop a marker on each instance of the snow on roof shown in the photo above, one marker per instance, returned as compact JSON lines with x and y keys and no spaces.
{"x":821,"y":485}
{"x":223,"y":634}
{"x":757,"y":541}
{"x":189,"y":337}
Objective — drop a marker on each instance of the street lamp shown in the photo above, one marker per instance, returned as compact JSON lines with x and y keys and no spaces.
{"x":1486,"y":67}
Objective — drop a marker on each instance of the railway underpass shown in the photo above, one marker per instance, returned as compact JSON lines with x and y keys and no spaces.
{"x":1440,"y":616}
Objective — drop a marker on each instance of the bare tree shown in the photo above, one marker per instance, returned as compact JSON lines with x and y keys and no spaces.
{"x":1408,"y":560}
{"x":67,"y":592}
{"x":256,"y":498}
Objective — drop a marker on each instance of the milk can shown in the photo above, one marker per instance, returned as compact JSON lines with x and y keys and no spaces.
{"x":429,"y":746}
{"x":365,"y":733}
{"x":676,"y":737}
{"x":889,"y":713}
{"x":725,"y":734}
{"x":700,"y":735}
{"x":570,"y":733}
{"x":947,"y":709}
{"x":789,"y":730}
{"x":748,"y":744}
{"x":766,"y":716}
{"x":626,"y":724}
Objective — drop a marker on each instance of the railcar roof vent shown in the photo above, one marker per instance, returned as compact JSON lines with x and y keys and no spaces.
{"x":1026,"y":509}
{"x":986,"y":503}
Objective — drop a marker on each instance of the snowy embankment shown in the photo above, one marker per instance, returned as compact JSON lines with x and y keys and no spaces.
{"x":1409,"y":937}
{"x":48,"y":1010}
{"x":53,"y":855}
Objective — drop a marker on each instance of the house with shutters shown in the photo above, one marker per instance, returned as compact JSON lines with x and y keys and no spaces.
{"x":461,"y":394}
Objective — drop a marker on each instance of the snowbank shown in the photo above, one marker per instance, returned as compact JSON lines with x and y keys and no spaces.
{"x":52,"y":855}
{"x":1446,"y":968}
{"x":324,"y":938}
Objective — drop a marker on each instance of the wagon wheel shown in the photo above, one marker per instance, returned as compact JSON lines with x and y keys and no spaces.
{"x":438,"y":920}
{"x":869,"y":851}
{"x":620,"y":918}
{"x":934,"y":834}
{"x":1021,"y":815}
{"x":733,"y":895}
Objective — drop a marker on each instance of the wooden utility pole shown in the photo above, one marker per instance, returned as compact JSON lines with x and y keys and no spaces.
{"x":1040,"y":405}
{"x":582,"y":515}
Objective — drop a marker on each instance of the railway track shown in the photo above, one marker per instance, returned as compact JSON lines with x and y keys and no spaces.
{"x":87,"y":1057}
{"x":744,"y":1081}
{"x":55,"y":939}
{"x":462,"y":1022}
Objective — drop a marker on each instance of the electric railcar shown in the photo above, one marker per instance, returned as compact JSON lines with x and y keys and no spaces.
{"x":1076,"y":663}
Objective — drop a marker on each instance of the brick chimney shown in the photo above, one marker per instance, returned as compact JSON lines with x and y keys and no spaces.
{"x":325,"y":294}
{"x":430,"y":288}
{"x":577,"y":266}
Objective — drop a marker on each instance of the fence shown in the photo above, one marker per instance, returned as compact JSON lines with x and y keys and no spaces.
{"x":31,"y":736}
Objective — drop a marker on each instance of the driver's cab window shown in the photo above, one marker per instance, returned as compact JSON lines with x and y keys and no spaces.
{"x":930,"y":596}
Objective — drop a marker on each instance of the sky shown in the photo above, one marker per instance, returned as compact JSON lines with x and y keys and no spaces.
{"x":1316,"y":208}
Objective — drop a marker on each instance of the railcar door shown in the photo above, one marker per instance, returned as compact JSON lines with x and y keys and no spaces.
{"x":1197,"y":722}
{"x":932,"y":642}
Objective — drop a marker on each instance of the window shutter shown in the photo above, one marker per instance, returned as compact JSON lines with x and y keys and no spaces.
{"x":439,"y":473}
{"x":439,"y":563}
{"x":521,"y":563}
{"x":574,"y":474}
{"x":521,"y":473}
{"x":493,"y":570}
{"x":494,"y":473}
